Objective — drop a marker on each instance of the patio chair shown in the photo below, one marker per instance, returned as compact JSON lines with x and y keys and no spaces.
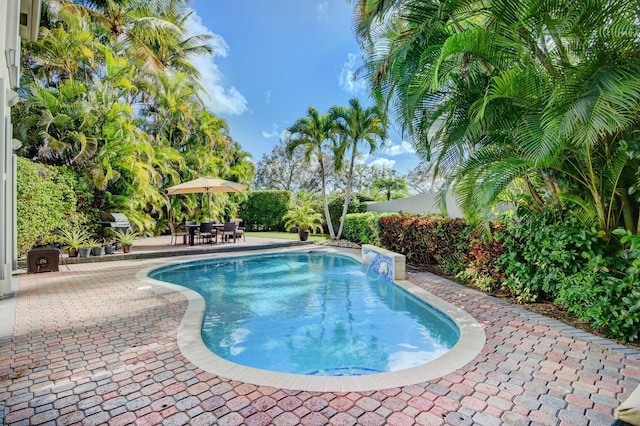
{"x":239,"y":228}
{"x":175,"y":233}
{"x":228,"y":230}
{"x":206,"y":232}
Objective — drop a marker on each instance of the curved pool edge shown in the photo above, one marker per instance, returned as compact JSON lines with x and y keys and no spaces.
{"x":472,"y":340}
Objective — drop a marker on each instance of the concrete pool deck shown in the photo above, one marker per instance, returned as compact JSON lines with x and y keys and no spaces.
{"x":95,"y":345}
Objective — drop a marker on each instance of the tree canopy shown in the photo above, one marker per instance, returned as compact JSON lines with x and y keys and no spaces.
{"x":109,"y":91}
{"x":539,"y":98}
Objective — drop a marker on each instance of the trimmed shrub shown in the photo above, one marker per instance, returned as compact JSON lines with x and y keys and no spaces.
{"x":484,"y":253}
{"x":337,"y":204}
{"x":542,"y":256}
{"x":606,"y":290}
{"x":362,"y":228}
{"x":47,"y":202}
{"x":427,"y":240}
{"x":545,"y":252}
{"x":263,"y":210}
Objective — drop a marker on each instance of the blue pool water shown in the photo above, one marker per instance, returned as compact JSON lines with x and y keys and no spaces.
{"x":311,"y":313}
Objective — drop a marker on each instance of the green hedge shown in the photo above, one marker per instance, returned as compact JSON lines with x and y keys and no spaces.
{"x":46,"y":201}
{"x":362,"y":228}
{"x":548,"y":255}
{"x":427,"y":240}
{"x":336,"y":205}
{"x":263,"y":210}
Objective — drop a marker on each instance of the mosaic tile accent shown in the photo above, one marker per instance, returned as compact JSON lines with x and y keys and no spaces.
{"x":383,"y":262}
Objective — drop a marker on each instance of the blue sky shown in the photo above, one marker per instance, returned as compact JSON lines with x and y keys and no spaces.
{"x":276,"y":58}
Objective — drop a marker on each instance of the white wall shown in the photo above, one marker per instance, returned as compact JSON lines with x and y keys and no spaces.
{"x":418,"y":204}
{"x":10,"y":32}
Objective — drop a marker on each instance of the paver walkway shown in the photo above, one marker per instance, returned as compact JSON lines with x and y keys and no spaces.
{"x":95,"y":346}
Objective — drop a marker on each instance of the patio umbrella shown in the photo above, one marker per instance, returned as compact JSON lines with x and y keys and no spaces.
{"x":206,"y":185}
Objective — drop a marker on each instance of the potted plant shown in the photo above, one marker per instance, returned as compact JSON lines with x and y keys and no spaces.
{"x":72,"y":239}
{"x":109,"y":246}
{"x":109,"y":241}
{"x":125,"y":238}
{"x":96,"y":248}
{"x":303,"y":216}
{"x":84,"y":249}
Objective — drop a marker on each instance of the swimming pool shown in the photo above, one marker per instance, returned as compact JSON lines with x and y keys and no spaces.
{"x":312,"y":313}
{"x":191,"y":343}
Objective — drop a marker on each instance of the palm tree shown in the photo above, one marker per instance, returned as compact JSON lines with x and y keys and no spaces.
{"x":170,"y":108}
{"x":532,"y":93}
{"x":356,"y":125}
{"x":391,"y":184}
{"x":152,"y":31}
{"x":314,"y":132}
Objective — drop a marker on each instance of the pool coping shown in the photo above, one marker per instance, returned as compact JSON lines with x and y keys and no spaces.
{"x":472,"y":340}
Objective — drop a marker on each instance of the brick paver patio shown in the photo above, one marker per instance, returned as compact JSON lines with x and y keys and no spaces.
{"x":92,"y":345}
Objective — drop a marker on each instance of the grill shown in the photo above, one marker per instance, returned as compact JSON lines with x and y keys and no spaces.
{"x":115,"y":220}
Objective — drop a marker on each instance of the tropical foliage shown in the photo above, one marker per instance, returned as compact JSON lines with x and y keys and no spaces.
{"x":303,"y":214}
{"x":549,"y":257}
{"x":534,"y":98}
{"x":315,"y":134}
{"x":356,"y":125}
{"x":50,"y":201}
{"x":109,"y":92}
{"x":337,"y":135}
{"x":391,"y":185}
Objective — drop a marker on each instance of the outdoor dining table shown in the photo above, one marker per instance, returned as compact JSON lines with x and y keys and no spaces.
{"x":192,"y":227}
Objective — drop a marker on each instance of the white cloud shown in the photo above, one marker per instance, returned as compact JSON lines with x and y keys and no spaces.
{"x":221,"y":100}
{"x":273,"y":133}
{"x":267,"y":98}
{"x":322,"y":9}
{"x":276,"y":132}
{"x":383,"y":163}
{"x":403,"y":147}
{"x":347,"y":78}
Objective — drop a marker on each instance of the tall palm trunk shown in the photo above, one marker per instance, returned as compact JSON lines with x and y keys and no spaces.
{"x":347,"y":196}
{"x":325,"y":200}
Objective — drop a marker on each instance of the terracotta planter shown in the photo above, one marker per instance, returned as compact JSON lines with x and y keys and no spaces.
{"x":126,"y":248}
{"x":73,"y":252}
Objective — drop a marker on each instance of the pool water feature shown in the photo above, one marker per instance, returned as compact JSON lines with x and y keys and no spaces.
{"x":331,"y":333}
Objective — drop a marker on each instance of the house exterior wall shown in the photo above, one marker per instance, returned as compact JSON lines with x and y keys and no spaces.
{"x":11,"y":30}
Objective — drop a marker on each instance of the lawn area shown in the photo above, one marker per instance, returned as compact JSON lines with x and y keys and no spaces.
{"x":287,"y":235}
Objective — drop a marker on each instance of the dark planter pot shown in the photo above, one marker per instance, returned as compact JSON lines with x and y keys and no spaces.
{"x":84,"y":251}
{"x":110,"y":249}
{"x":73,"y":252}
{"x":126,"y":248}
{"x":97,"y":251}
{"x":304,"y":235}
